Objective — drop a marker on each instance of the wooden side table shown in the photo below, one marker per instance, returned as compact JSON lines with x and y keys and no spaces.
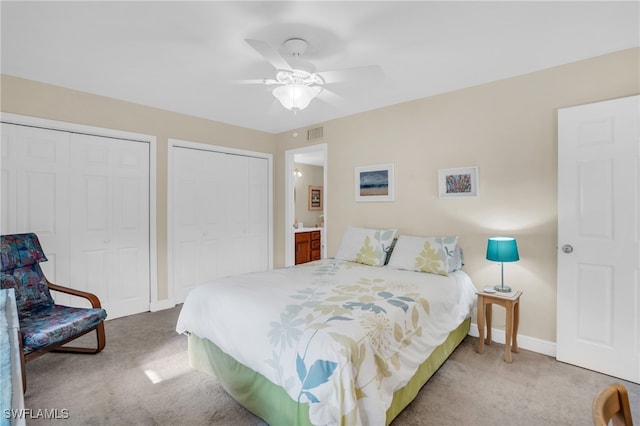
{"x":511,"y":303}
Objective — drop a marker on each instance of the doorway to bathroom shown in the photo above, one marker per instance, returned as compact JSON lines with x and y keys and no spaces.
{"x":305,"y":196}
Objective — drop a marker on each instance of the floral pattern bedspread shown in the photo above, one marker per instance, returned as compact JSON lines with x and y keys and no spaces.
{"x":337,"y":335}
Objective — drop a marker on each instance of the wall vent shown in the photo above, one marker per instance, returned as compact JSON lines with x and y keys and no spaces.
{"x":315,"y":134}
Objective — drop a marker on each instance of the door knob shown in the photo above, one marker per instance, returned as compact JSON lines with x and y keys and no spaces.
{"x":567,"y":248}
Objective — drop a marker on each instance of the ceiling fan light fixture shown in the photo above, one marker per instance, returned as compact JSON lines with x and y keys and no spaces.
{"x":296,"y":97}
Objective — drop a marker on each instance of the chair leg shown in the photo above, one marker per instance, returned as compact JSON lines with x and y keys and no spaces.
{"x":101,"y":339}
{"x":100,"y":343}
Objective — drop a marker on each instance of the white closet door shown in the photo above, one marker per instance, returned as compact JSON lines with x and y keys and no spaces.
{"x":109,"y":245}
{"x":254,"y":254}
{"x":35,"y":194}
{"x":199,"y":218}
{"x":220,"y":216}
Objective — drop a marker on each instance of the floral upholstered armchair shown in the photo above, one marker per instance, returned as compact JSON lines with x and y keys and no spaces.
{"x":44,"y":325}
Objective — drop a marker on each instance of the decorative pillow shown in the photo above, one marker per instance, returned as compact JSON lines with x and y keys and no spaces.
{"x":425,"y":254}
{"x":367,"y":246}
{"x":458,"y":260}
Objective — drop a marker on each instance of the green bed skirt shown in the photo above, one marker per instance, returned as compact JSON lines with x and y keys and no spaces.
{"x":271,"y":403}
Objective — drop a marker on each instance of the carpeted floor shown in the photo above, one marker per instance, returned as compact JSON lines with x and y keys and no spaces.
{"x":143,"y":378}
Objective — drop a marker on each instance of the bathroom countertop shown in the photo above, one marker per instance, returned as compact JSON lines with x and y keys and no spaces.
{"x":307,"y":229}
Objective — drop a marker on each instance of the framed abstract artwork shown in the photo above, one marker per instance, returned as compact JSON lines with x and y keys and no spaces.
{"x":375,"y":183}
{"x":458,"y":182}
{"x":315,"y":197}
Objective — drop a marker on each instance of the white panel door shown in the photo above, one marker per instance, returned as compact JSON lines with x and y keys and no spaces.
{"x":109,"y":245}
{"x":220,"y":216}
{"x":598,"y":237}
{"x":199,"y":216}
{"x":35,"y":193}
{"x":237,"y":212}
{"x":257,"y":236}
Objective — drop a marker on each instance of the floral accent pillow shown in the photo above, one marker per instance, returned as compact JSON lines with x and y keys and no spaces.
{"x":425,"y":254}
{"x":366,"y":246}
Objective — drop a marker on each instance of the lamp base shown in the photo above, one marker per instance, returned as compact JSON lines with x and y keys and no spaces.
{"x":503,"y":289}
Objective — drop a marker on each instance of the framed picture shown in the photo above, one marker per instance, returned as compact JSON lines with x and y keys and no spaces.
{"x":375,"y":183}
{"x":315,"y":197}
{"x":460,"y":182}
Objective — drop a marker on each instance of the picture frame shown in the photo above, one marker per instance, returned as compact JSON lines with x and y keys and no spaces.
{"x":315,"y":197}
{"x":375,"y":183}
{"x":458,"y":182}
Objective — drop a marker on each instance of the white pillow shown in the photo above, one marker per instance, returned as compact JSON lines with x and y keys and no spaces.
{"x":367,"y":246}
{"x":458,"y":260}
{"x":425,"y":254}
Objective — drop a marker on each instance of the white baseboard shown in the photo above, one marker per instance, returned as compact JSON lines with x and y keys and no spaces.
{"x":525,"y":342}
{"x":161,"y":305}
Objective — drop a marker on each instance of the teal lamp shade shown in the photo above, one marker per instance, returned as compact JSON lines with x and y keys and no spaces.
{"x":502,"y":249}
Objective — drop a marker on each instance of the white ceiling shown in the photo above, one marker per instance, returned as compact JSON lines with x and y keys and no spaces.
{"x":187,"y":56}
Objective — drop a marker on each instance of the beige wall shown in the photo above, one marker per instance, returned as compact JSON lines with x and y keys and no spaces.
{"x":35,"y":99}
{"x":311,"y":175}
{"x":508,"y":129}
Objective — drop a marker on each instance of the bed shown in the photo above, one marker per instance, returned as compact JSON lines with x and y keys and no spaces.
{"x":347,"y":340}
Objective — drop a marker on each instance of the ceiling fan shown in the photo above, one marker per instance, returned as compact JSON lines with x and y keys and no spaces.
{"x":298,"y":82}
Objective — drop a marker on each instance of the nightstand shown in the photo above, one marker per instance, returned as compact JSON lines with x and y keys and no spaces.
{"x":511,"y":303}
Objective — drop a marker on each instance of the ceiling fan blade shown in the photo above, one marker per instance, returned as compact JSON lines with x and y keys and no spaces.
{"x":369,"y":72}
{"x":269,"y":53}
{"x":265,"y":81}
{"x":332,"y":98}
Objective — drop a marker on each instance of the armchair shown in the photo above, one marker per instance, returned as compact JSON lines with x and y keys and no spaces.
{"x":44,"y":325}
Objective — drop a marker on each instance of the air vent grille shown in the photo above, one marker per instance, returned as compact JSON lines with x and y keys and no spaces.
{"x":315,"y":134}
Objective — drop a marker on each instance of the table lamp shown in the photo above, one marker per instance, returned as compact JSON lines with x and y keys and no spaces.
{"x":502,"y":249}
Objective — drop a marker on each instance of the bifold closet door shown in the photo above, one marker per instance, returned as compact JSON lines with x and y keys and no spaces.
{"x":198,"y":218}
{"x":87,"y":199}
{"x":109,"y":245}
{"x":247,"y":213}
{"x":220,"y":216}
{"x":35,"y":193}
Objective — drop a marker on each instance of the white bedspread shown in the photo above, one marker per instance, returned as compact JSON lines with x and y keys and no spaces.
{"x":340,"y":336}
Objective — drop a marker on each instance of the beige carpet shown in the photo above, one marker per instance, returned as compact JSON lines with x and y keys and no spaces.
{"x":143,"y":378}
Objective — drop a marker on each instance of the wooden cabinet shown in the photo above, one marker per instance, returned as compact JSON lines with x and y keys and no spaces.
{"x":308,"y":246}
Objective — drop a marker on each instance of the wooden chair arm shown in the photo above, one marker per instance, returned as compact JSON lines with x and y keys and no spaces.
{"x":95,"y":302}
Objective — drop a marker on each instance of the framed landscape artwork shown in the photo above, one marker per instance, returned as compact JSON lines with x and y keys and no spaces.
{"x":459,"y":182}
{"x":375,"y":183}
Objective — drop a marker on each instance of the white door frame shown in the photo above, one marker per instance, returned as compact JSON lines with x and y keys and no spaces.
{"x":154,"y":303}
{"x":289,"y":211}
{"x":176,"y":143}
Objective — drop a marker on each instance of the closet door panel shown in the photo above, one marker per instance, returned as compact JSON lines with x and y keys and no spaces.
{"x":110,"y":211}
{"x":258,"y":226}
{"x":186,"y":221}
{"x":94,"y":276}
{"x":199,"y":218}
{"x":35,"y":193}
{"x":237,"y":197}
{"x":214,"y":257}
